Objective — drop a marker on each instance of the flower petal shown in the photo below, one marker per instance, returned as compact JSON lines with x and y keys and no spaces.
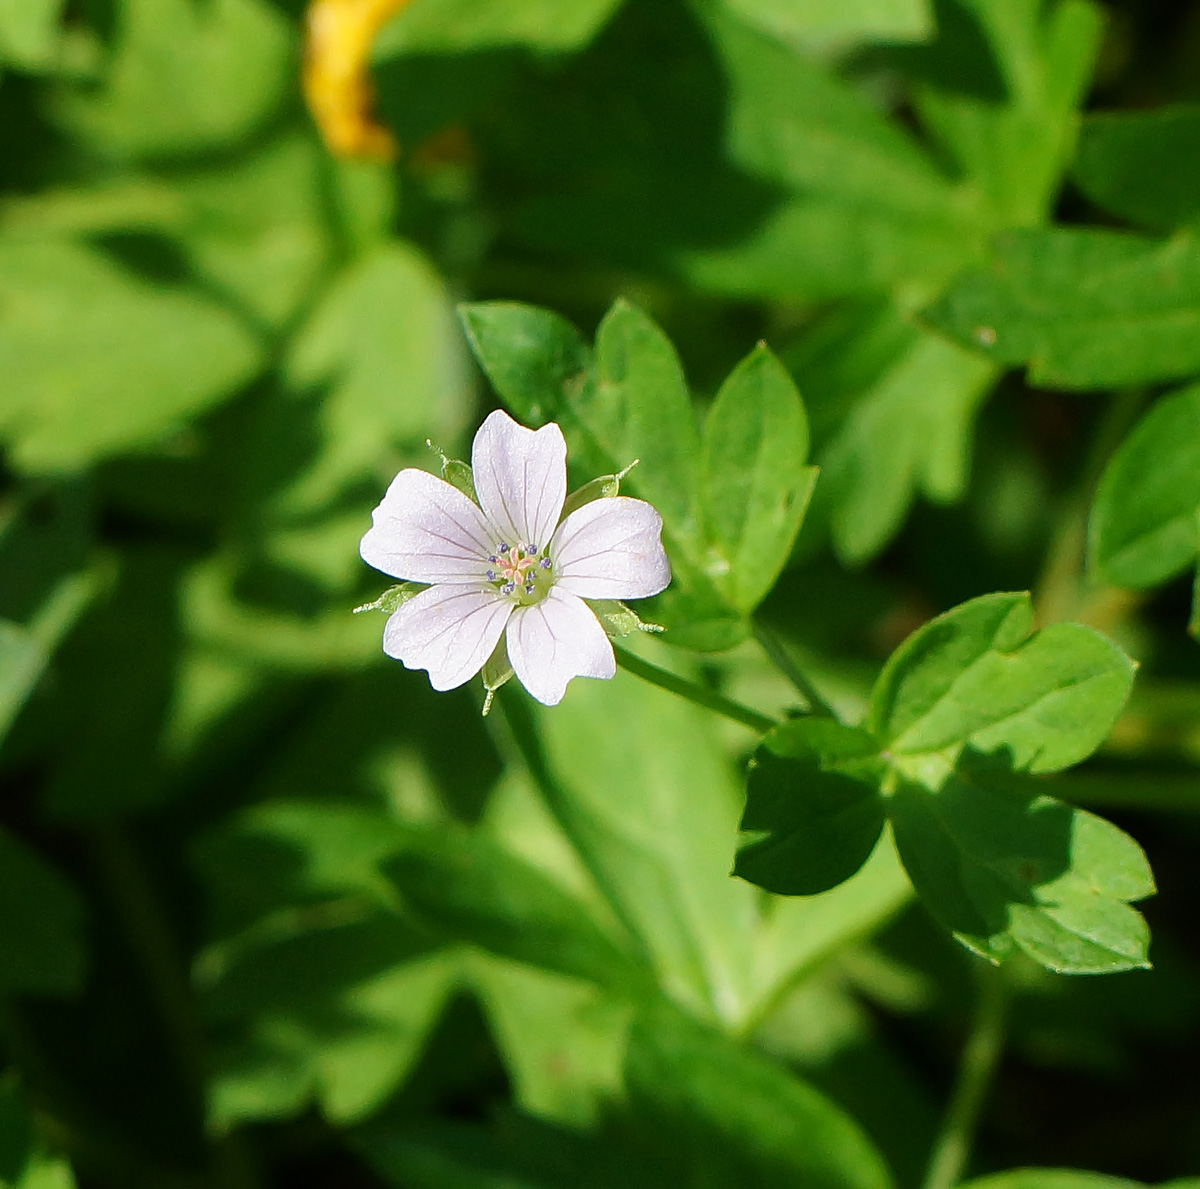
{"x":449,"y":630}
{"x":424,"y":530}
{"x":611,"y":549}
{"x":554,"y":640}
{"x":520,"y":477}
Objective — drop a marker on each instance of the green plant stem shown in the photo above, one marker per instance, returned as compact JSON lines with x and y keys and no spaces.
{"x":153,"y":944}
{"x":979,"y":1060}
{"x":707,"y":698}
{"x":778,"y":655}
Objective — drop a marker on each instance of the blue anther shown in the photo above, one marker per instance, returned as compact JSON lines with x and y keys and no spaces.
{"x":508,"y":588}
{"x":545,"y":563}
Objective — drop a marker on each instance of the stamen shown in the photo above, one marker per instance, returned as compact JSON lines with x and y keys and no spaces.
{"x":494,"y":560}
{"x":508,"y":588}
{"x":491,"y":575}
{"x":545,"y":563}
{"x":502,"y":548}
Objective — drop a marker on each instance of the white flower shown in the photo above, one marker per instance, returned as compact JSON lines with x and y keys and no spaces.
{"x":508,"y":567}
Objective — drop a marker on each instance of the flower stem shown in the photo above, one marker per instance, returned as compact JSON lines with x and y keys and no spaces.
{"x":773,"y":647}
{"x":979,"y":1060}
{"x":707,"y":698}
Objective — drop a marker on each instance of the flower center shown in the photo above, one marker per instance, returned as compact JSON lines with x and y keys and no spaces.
{"x":521,"y":572}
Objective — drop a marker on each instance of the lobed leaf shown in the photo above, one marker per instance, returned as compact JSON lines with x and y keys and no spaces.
{"x":1082,"y":308}
{"x":976,"y":677}
{"x":1007,"y":871}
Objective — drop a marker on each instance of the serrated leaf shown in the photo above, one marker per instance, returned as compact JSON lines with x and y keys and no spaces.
{"x":184,"y":78}
{"x":755,"y":486}
{"x":1005,"y":871}
{"x":98,"y":361}
{"x":975,"y":676}
{"x":532,"y":356}
{"x":813,"y":814}
{"x":1082,"y":308}
{"x":1143,"y":166}
{"x":1145,"y":521}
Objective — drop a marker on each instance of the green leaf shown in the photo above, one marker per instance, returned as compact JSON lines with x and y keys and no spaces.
{"x":257,"y":229}
{"x":754,"y":482}
{"x":1015,"y":147}
{"x":1006,"y":871}
{"x":24,"y":1164}
{"x":465,"y":26}
{"x":41,"y":925}
{"x":25,"y":651}
{"x":825,"y":24}
{"x":656,"y":828}
{"x":532,"y":357}
{"x":1051,"y":1178}
{"x":1145,"y":522}
{"x":813,"y":814}
{"x":1082,"y":308}
{"x":474,"y":890}
{"x":746,"y":1120}
{"x":332,"y":1005}
{"x":864,"y":206}
{"x":908,"y":431}
{"x":1143,"y":166}
{"x":975,"y":676}
{"x":185,"y":77}
{"x":639,"y":407}
{"x":563,"y":1040}
{"x":380,"y":349}
{"x":29,"y":32}
{"x":98,"y":361}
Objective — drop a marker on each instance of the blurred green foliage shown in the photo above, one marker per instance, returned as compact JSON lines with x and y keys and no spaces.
{"x":274,"y":913}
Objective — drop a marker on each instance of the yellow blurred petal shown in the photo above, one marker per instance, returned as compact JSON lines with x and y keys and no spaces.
{"x":339,"y":34}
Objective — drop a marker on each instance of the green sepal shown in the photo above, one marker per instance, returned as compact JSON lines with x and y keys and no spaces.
{"x":497,"y":670}
{"x":393,"y":598}
{"x":618,"y":620}
{"x":602,"y":488}
{"x":456,"y":472}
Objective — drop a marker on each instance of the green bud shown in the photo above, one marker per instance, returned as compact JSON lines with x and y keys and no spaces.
{"x":393,"y":598}
{"x":618,"y":620}
{"x":496,"y":671}
{"x":456,"y":472}
{"x":598,"y":489}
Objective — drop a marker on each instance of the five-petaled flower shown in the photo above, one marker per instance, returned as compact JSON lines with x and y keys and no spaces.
{"x":508,"y":566}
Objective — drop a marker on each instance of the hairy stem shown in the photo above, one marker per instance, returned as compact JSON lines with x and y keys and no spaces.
{"x":707,"y":698}
{"x":979,"y":1060}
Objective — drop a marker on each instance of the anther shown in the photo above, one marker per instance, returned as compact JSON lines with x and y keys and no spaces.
{"x":494,"y":560}
{"x":491,"y":575}
{"x":508,"y":588}
{"x":502,"y":548}
{"x":545,"y":563}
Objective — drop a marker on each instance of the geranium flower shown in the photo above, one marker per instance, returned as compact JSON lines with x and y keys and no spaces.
{"x":508,"y":566}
